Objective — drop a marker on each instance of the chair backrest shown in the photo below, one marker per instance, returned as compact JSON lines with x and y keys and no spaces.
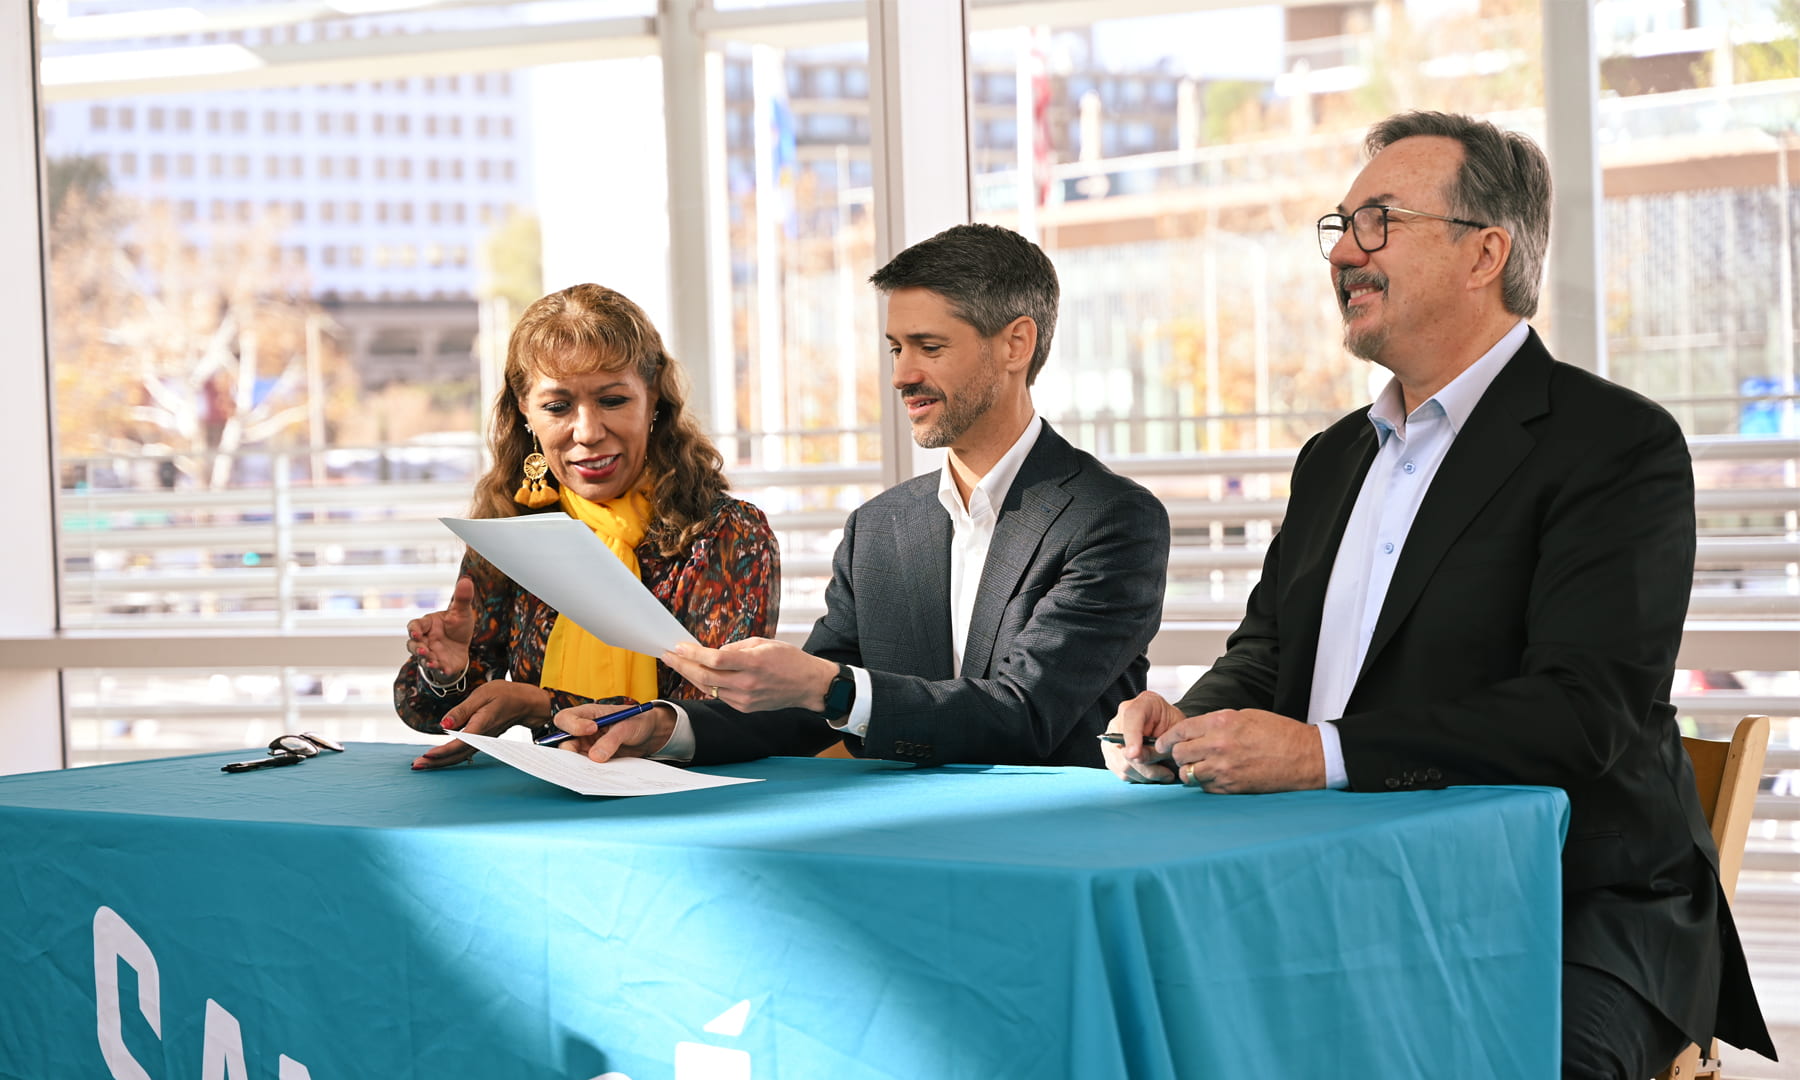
{"x":1728,"y":775}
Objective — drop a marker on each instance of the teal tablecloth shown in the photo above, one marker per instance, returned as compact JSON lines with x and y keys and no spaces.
{"x":346,"y":918}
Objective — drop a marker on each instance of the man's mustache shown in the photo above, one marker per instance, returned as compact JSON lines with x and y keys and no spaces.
{"x":1354,"y":276}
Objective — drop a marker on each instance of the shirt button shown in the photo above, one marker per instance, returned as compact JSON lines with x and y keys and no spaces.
{"x":1387,"y":549}
{"x":1409,"y":467}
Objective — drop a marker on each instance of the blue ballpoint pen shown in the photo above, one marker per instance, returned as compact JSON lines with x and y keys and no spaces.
{"x":610,"y":718}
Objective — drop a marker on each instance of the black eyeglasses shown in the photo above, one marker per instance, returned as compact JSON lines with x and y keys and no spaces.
{"x":287,"y":750}
{"x":1369,"y":224}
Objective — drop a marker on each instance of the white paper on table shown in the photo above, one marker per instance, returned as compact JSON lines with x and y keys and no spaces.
{"x":621,"y":776}
{"x":561,"y":562}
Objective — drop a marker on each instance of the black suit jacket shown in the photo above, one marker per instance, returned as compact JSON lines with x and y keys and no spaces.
{"x":1529,"y":637}
{"x":1070,"y":597}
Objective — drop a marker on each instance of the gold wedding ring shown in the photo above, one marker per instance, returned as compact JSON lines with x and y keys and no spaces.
{"x":715,"y":692}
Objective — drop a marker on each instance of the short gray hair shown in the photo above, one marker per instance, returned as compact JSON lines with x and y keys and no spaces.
{"x":1504,"y":181}
{"x":990,"y":276}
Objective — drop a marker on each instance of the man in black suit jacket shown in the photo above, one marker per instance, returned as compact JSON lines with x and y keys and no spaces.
{"x":1482,"y":579}
{"x":996,"y":611}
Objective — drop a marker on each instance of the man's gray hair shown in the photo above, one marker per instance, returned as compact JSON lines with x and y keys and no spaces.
{"x":990,"y":276}
{"x":1504,"y":181}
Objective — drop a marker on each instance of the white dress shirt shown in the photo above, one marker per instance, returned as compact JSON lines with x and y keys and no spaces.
{"x":971,"y":534}
{"x":1412,"y":446}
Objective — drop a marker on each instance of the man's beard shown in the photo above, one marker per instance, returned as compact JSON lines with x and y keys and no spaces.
{"x":1367,"y":344}
{"x":957,"y":414}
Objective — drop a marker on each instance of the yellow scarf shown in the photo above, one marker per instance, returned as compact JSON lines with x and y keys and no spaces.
{"x":577,"y":661}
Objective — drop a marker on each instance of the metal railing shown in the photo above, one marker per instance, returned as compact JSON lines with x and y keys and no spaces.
{"x":290,"y":554}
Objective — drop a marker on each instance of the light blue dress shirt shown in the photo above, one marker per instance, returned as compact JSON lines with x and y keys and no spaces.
{"x":1412,"y":446}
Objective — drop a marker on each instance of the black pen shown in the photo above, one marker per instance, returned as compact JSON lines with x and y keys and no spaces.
{"x":609,"y":718}
{"x":1117,"y":738}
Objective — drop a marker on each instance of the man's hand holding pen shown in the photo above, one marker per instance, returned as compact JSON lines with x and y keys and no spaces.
{"x":1129,"y":745}
{"x":1226,"y":751}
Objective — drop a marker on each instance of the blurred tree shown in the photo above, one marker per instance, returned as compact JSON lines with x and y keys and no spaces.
{"x":1778,"y":59}
{"x":513,"y":261}
{"x":1232,"y":109}
{"x":166,"y":348}
{"x":1473,"y":60}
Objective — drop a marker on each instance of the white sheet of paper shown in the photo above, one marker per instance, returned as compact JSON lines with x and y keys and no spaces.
{"x":562,"y":563}
{"x":623,"y":776}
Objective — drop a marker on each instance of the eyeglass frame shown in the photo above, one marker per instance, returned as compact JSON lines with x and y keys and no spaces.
{"x":287,"y":750}
{"x":1349,"y":226}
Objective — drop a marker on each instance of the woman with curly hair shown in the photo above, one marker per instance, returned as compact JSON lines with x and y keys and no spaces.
{"x":591,"y":423}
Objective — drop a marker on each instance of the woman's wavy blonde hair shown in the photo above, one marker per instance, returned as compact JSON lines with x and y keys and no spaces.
{"x":585,"y":329}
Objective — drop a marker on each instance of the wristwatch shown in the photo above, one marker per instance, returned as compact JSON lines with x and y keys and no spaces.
{"x":840,"y":695}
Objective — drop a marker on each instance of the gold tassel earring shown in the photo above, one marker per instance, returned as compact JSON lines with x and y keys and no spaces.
{"x":533,"y":492}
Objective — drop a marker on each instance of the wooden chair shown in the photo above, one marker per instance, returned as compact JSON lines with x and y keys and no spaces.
{"x":1727,"y":775}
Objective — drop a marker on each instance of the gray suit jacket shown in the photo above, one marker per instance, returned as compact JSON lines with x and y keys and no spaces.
{"x":1070,"y":597}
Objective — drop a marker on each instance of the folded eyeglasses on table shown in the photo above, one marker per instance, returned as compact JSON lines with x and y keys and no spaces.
{"x":287,"y":750}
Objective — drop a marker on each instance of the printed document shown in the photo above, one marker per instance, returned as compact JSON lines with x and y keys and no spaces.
{"x":562,"y":563}
{"x":624,"y":776}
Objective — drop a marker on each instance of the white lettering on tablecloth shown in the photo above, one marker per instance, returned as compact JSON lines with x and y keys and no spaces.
{"x":115,"y":940}
{"x":704,"y":1061}
{"x":222,"y":1043}
{"x":222,"y":1049}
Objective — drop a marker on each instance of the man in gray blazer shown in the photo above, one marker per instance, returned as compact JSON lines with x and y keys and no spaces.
{"x":996,"y":611}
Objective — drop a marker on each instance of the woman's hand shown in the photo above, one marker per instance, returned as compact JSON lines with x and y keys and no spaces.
{"x":490,"y":709}
{"x":640,"y":736}
{"x":440,"y":640}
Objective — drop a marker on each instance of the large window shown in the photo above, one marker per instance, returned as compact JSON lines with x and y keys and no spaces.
{"x":1174,"y":165}
{"x":801,"y":419}
{"x":272,"y":372}
{"x":286,"y":244}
